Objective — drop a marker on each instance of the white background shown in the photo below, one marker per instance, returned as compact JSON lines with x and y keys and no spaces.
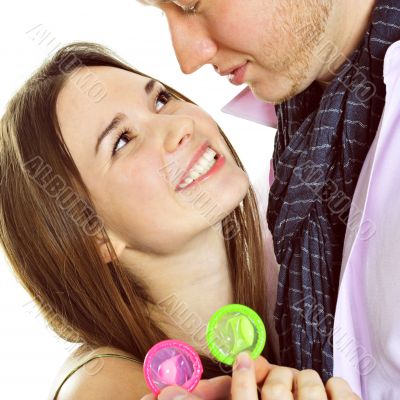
{"x":30,"y":31}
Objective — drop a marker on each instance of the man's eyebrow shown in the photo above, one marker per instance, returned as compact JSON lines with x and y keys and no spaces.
{"x":120,"y":117}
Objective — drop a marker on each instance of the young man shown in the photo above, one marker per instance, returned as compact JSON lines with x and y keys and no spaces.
{"x":321,"y":62}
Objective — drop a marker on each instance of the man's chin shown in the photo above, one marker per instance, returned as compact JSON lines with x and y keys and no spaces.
{"x":275,"y":94}
{"x":269,"y":94}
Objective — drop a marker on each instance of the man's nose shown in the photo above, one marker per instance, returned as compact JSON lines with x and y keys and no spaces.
{"x":192,"y":43}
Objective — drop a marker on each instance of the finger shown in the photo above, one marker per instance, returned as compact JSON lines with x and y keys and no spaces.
{"x":214,"y":389}
{"x":309,"y":386}
{"x":263,"y":367}
{"x":176,"y":392}
{"x":244,"y":385}
{"x":338,"y":389}
{"x":278,"y":384}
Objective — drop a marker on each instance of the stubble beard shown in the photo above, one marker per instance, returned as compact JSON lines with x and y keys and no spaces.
{"x":301,"y":24}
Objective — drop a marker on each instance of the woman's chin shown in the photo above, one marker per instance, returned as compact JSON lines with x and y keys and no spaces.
{"x":216,"y":197}
{"x":231,"y":192}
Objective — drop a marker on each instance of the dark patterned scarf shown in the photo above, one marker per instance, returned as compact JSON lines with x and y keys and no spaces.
{"x":323,"y":138}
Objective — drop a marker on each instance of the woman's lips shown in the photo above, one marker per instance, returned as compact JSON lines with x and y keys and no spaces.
{"x":237,"y":77}
{"x":195,"y":158}
{"x":220,"y":161}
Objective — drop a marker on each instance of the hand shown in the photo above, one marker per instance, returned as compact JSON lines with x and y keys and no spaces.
{"x":274,"y":383}
{"x":281,"y":383}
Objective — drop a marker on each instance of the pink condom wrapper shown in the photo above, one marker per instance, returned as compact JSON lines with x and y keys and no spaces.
{"x":172,"y":363}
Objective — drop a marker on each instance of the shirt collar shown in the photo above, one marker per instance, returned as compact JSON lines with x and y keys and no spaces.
{"x":246,"y":105}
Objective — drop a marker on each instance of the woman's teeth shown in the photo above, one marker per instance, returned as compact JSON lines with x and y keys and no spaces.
{"x":202,"y":166}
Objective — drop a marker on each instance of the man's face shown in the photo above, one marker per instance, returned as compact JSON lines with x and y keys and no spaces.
{"x":271,"y":45}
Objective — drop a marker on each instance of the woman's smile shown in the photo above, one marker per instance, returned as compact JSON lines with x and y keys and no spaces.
{"x":205,"y":163}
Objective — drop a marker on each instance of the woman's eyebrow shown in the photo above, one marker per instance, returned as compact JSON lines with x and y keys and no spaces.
{"x":150,"y":86}
{"x":120,"y":117}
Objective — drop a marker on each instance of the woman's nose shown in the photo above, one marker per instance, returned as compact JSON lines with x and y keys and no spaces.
{"x":179,"y":130}
{"x":192,"y":43}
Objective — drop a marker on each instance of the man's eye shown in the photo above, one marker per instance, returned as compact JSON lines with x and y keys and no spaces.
{"x":162,"y":98}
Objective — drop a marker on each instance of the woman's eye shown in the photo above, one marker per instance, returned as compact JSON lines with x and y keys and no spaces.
{"x":162,"y":99}
{"x":191,"y":10}
{"x":122,"y":136}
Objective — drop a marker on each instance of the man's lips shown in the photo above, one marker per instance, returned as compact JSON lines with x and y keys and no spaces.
{"x":232,"y":70}
{"x":236,"y":74}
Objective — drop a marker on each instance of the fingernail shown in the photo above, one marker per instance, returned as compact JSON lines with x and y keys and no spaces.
{"x":243,"y":361}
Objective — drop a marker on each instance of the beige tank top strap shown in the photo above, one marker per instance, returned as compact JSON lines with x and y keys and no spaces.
{"x":88,"y":360}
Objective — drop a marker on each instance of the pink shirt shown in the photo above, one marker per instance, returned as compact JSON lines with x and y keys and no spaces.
{"x":367,"y":325}
{"x":366,"y":336}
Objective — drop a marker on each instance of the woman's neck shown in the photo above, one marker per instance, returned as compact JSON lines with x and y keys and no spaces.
{"x":188,"y":287}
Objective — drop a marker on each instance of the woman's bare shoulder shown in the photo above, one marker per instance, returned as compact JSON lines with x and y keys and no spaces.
{"x":101,"y":378}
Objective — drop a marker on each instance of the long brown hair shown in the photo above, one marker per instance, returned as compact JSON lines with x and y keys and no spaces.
{"x":57,"y":260}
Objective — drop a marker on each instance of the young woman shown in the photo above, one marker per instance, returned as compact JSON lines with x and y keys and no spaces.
{"x":121,"y":203}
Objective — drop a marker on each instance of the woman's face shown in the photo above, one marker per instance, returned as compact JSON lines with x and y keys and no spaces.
{"x":138,"y":190}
